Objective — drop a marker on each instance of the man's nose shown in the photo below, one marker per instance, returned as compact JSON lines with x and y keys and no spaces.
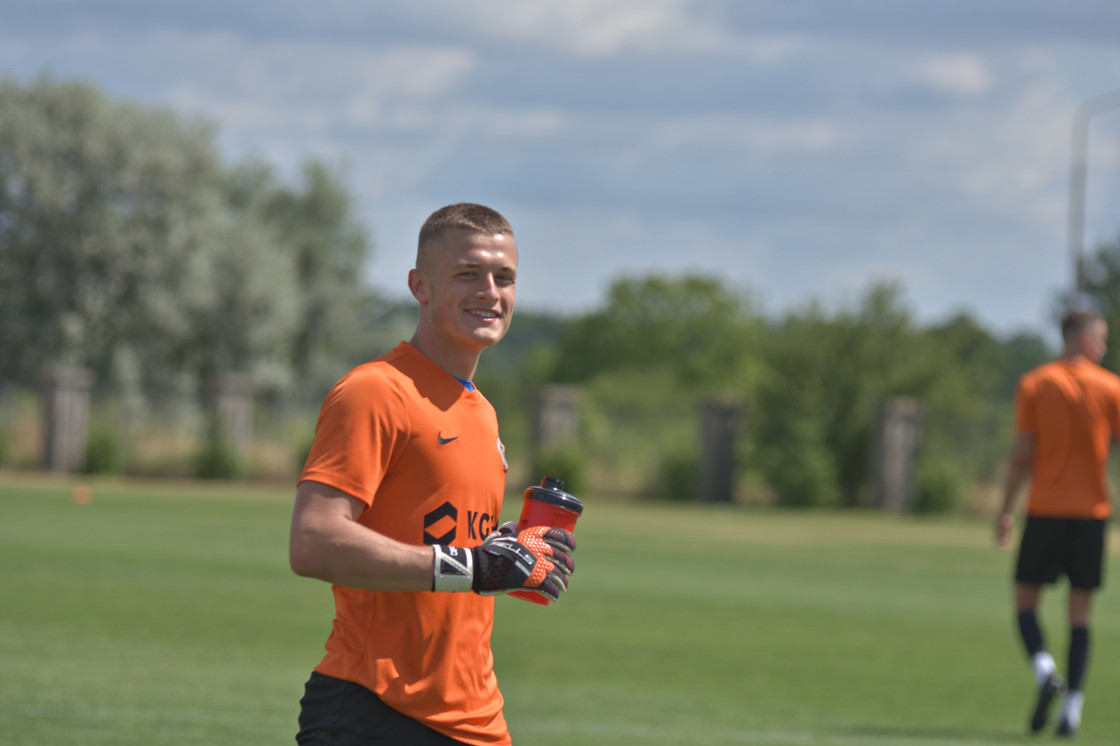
{"x":488,"y":287}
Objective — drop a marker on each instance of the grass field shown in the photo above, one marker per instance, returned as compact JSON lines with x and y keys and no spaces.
{"x":166,"y":614}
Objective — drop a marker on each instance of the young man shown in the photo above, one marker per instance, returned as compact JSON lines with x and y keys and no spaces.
{"x":397,"y":507}
{"x":1067,"y":414}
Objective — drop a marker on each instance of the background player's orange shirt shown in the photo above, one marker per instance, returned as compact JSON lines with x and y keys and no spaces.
{"x":409,"y":440}
{"x":1072,"y":408}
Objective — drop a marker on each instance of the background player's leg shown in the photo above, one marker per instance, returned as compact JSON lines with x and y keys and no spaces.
{"x":1080,"y":608}
{"x":1050,"y":684}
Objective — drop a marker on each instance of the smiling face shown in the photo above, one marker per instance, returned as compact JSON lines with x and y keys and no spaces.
{"x":465,"y":285}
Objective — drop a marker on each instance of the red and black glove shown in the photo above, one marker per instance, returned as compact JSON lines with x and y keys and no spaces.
{"x":537,"y":558}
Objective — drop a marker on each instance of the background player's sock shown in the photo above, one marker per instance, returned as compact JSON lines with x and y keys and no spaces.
{"x":1043,"y":665}
{"x":1030,"y":633}
{"x":1078,"y":656}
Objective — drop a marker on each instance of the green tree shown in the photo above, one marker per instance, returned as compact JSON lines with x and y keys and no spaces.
{"x":99,"y":203}
{"x":1102,"y":290}
{"x":1022,"y":351}
{"x":815,"y":412}
{"x":128,"y":247}
{"x":967,"y":400}
{"x":815,"y":416}
{"x":330,"y":247}
{"x":644,"y":361}
{"x":236,"y":306}
{"x":694,"y":326}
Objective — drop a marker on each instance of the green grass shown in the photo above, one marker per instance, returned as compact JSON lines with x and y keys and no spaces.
{"x":166,"y":614}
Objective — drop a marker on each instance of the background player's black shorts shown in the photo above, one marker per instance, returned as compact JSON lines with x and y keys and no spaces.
{"x":341,"y":713}
{"x":1052,"y":547}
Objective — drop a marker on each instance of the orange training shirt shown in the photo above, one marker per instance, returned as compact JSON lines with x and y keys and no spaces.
{"x":1072,"y":408}
{"x":402,"y":435}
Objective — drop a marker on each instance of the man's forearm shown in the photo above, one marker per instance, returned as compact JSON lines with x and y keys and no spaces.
{"x":1022,"y":460}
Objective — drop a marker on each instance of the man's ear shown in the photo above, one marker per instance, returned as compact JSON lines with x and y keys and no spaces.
{"x":418,"y":284}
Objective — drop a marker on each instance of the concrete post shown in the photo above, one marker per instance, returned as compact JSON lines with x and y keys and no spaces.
{"x":66,"y":412}
{"x":719,"y":429}
{"x":555,"y":417}
{"x":895,"y":454}
{"x":232,"y":410}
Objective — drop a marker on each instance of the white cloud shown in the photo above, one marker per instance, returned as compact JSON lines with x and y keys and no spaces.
{"x":597,"y":28}
{"x":787,"y":145}
{"x":750,"y":132}
{"x":308,"y":71}
{"x":242,"y":81}
{"x":957,"y":73}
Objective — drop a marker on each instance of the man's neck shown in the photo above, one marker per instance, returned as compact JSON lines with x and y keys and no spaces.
{"x":459,"y":363}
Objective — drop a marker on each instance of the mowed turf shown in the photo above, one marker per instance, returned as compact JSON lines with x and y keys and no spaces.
{"x":166,"y":614}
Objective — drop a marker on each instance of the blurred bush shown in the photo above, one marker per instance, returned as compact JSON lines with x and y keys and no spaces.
{"x":564,"y":463}
{"x":105,"y":450}
{"x":679,"y":475}
{"x":939,"y":487}
{"x":217,"y":460}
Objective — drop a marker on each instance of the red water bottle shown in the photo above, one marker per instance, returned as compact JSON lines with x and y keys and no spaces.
{"x":547,"y":504}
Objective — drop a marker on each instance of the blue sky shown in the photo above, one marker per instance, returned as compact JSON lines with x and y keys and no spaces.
{"x":799,"y":150}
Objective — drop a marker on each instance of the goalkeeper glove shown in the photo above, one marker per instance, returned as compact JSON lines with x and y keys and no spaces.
{"x":537,"y":558}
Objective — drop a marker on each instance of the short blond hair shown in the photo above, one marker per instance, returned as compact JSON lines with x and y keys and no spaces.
{"x":466,"y":216}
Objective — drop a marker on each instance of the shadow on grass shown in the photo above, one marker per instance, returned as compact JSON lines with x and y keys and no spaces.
{"x":936,"y":735}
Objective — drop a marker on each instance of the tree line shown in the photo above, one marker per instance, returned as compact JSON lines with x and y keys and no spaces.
{"x":809,"y":382}
{"x":128,"y":247}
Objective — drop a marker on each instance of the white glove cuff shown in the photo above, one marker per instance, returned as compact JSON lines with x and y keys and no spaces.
{"x":453,"y":568}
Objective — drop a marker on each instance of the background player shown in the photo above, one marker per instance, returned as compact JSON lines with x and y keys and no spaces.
{"x":1067,"y":414}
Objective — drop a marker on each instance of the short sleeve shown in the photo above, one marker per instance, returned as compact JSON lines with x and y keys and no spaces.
{"x":1025,"y":416}
{"x":1114,"y":410}
{"x":360,"y":428}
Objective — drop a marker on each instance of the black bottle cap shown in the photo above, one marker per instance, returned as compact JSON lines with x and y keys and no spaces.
{"x":551,"y":491}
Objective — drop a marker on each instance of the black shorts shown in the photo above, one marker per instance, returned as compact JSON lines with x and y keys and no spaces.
{"x":341,"y":713}
{"x":1052,"y":547}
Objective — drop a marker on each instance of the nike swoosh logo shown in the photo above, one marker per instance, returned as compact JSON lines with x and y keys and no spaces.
{"x":444,"y":441}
